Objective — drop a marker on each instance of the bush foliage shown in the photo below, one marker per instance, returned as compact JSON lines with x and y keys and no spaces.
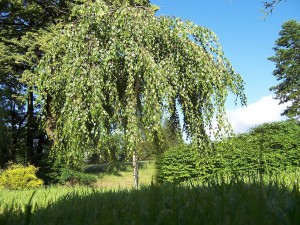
{"x":17,"y":176}
{"x":178,"y":164}
{"x":72,"y":177}
{"x":266,"y":149}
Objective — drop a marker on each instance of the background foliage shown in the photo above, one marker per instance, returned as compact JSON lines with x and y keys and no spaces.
{"x":270,"y":148}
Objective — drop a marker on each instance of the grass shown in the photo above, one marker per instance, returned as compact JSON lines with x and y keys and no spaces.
{"x":267,"y":201}
{"x":230,"y":203}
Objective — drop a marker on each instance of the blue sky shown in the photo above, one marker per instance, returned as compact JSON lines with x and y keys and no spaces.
{"x":247,"y":38}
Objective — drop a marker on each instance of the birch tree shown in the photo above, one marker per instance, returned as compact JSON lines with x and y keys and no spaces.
{"x":118,"y":68}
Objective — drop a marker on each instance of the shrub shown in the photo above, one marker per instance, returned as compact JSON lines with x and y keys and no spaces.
{"x":267,"y":148}
{"x":177,"y":164}
{"x":17,"y":176}
{"x":72,"y":177}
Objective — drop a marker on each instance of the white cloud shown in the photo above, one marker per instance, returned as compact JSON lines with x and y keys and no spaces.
{"x":267,"y":109}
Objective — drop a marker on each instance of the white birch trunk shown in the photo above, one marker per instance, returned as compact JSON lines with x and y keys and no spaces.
{"x":135,"y":169}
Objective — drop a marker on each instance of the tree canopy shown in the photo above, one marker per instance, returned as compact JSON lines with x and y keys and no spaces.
{"x":287,"y":60}
{"x":17,"y":19}
{"x":122,"y":69}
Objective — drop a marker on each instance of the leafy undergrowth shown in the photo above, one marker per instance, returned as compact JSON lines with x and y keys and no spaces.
{"x":233,"y":202}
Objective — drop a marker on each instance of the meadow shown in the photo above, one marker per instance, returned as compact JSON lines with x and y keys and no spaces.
{"x":231,"y":200}
{"x":121,"y":176}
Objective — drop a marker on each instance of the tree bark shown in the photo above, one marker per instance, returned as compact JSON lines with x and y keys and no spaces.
{"x":135,"y":169}
{"x":14,"y":140}
{"x":30,"y":129}
{"x":137,"y":87}
{"x":50,"y":122}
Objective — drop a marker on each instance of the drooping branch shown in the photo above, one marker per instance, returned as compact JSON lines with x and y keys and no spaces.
{"x":125,"y":70}
{"x":269,"y":6}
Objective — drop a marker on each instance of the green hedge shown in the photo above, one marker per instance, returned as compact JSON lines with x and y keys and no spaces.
{"x":177,"y":164}
{"x":186,"y":162}
{"x":266,"y":149}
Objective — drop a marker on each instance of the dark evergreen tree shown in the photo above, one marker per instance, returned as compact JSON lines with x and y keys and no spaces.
{"x":287,"y":60}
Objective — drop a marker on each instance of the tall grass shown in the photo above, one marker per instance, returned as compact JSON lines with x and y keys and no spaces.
{"x":18,"y":200}
{"x":287,"y":180}
{"x":232,"y":201}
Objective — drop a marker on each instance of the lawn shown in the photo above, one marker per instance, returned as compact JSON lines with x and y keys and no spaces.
{"x":122,"y":176}
{"x":227,"y":202}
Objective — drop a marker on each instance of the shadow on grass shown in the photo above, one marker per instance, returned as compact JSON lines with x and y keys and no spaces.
{"x":214,"y":203}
